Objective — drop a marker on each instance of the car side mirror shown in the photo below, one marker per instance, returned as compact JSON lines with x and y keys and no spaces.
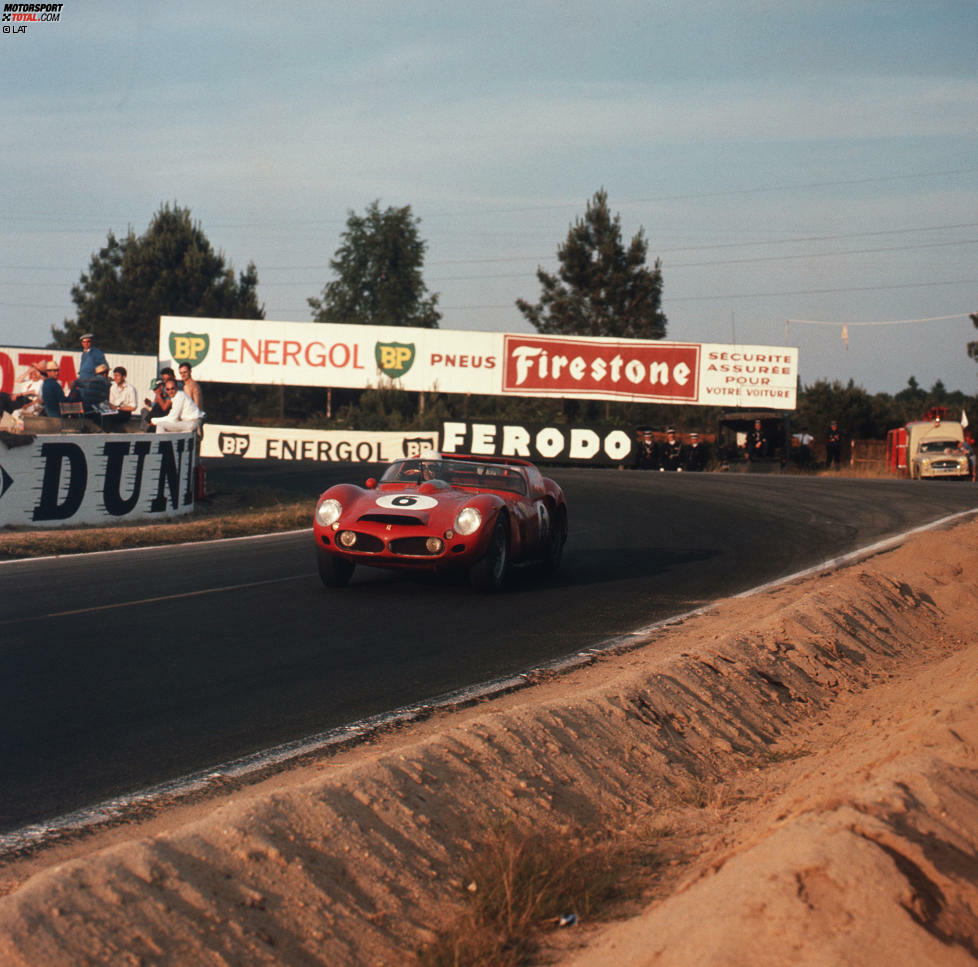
{"x":370,"y":483}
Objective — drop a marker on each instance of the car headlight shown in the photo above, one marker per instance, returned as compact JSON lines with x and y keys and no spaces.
{"x":468,"y":521}
{"x":328,"y":512}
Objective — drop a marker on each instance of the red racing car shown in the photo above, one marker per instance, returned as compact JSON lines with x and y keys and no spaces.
{"x":439,"y":512}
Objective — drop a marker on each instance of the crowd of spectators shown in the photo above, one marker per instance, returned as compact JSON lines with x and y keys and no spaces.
{"x":112,"y":402}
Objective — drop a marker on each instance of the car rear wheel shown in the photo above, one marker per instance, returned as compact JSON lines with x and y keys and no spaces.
{"x":489,"y":574}
{"x":333,"y":570}
{"x":555,"y":544}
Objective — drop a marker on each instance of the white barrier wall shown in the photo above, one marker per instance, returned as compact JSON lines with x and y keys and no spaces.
{"x":585,"y":445}
{"x":326,"y":446}
{"x":98,"y":478}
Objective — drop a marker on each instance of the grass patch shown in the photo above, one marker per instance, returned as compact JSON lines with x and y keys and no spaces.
{"x":239,"y":514}
{"x":520,"y":882}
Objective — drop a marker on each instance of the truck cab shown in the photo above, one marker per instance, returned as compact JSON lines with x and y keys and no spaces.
{"x":936,"y":448}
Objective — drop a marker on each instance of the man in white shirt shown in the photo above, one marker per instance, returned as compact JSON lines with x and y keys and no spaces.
{"x":122,"y":396}
{"x":184,"y":415}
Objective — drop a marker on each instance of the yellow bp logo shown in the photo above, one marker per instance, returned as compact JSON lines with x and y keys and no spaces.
{"x":394,"y":359}
{"x":189,"y":347}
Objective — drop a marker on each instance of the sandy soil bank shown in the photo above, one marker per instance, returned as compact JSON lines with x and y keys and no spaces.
{"x":828,"y":728}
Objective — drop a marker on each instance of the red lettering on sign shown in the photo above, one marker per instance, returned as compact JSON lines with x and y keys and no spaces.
{"x":6,"y":373}
{"x":637,"y":370}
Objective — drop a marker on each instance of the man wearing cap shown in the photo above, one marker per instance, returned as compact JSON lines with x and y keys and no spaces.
{"x":52,"y":395}
{"x":671,"y":456}
{"x":31,"y":382}
{"x":696,"y":455}
{"x":93,"y":389}
{"x":91,"y":357}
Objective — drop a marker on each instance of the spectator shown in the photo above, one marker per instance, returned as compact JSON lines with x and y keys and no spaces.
{"x":91,"y":357}
{"x":833,"y":446}
{"x":757,"y":443}
{"x":10,"y":404}
{"x":183,"y":416}
{"x":27,"y":399}
{"x":671,"y":452}
{"x":160,"y":404}
{"x":696,"y":454}
{"x":52,"y":395}
{"x":190,"y":386}
{"x":93,"y":390}
{"x":646,"y":451}
{"x":30,"y":386}
{"x":122,"y":398}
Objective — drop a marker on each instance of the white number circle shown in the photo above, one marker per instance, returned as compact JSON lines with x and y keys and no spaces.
{"x":406,"y":502}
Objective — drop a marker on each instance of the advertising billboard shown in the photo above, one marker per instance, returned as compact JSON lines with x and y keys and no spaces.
{"x":485,"y":363}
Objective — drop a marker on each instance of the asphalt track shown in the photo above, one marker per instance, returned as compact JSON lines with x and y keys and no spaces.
{"x":125,"y":669}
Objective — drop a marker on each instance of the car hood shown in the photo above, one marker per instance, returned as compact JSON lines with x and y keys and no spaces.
{"x":431,"y":501}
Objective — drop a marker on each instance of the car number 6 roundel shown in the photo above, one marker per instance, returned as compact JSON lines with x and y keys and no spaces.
{"x":406,"y":502}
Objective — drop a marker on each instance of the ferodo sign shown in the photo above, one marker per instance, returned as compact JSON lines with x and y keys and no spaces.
{"x":486,"y":363}
{"x":68,"y":479}
{"x":539,"y":443}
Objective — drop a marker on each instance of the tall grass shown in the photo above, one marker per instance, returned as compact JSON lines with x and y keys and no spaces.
{"x":521,"y":881}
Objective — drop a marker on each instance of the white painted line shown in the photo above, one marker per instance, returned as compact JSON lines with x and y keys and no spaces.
{"x":30,"y":837}
{"x":154,"y":547}
{"x":156,"y":600}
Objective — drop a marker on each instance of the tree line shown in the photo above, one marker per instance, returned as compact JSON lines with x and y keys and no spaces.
{"x":604,"y":286}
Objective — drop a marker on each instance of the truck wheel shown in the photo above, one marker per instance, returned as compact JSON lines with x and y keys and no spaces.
{"x":334,"y":571}
{"x":489,"y":574}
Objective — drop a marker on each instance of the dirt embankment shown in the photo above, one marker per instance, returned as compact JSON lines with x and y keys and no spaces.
{"x":810,"y":755}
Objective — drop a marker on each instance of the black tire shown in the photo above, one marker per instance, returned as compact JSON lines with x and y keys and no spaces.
{"x":334,"y":571}
{"x":489,"y":574}
{"x":555,"y":543}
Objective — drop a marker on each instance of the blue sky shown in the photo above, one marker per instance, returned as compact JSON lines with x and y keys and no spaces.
{"x":811,"y":161}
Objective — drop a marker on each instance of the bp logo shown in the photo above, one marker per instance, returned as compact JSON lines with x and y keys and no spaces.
{"x":394,"y":359}
{"x":189,"y":347}
{"x":233,"y":444}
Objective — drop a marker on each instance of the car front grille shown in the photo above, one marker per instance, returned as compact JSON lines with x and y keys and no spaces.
{"x":411,"y":547}
{"x":366,"y":544}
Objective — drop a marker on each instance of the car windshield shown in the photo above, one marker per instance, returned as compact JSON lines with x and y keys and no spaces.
{"x":938,"y":446}
{"x":458,"y":473}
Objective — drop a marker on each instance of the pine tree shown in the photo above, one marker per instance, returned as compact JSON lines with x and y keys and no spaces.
{"x":602,"y":289}
{"x":169,"y":270}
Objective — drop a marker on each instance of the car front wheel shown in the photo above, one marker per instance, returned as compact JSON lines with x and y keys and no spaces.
{"x":333,"y":570}
{"x":489,"y":573}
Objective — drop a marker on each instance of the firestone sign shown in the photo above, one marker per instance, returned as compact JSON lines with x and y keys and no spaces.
{"x":486,"y":363}
{"x":658,"y":372}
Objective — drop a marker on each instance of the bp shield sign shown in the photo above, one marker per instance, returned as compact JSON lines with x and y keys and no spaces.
{"x":394,"y":359}
{"x":189,"y":347}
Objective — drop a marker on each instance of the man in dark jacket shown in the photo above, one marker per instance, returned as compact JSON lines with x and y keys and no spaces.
{"x":52,"y":395}
{"x":671,"y":452}
{"x":92,"y":390}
